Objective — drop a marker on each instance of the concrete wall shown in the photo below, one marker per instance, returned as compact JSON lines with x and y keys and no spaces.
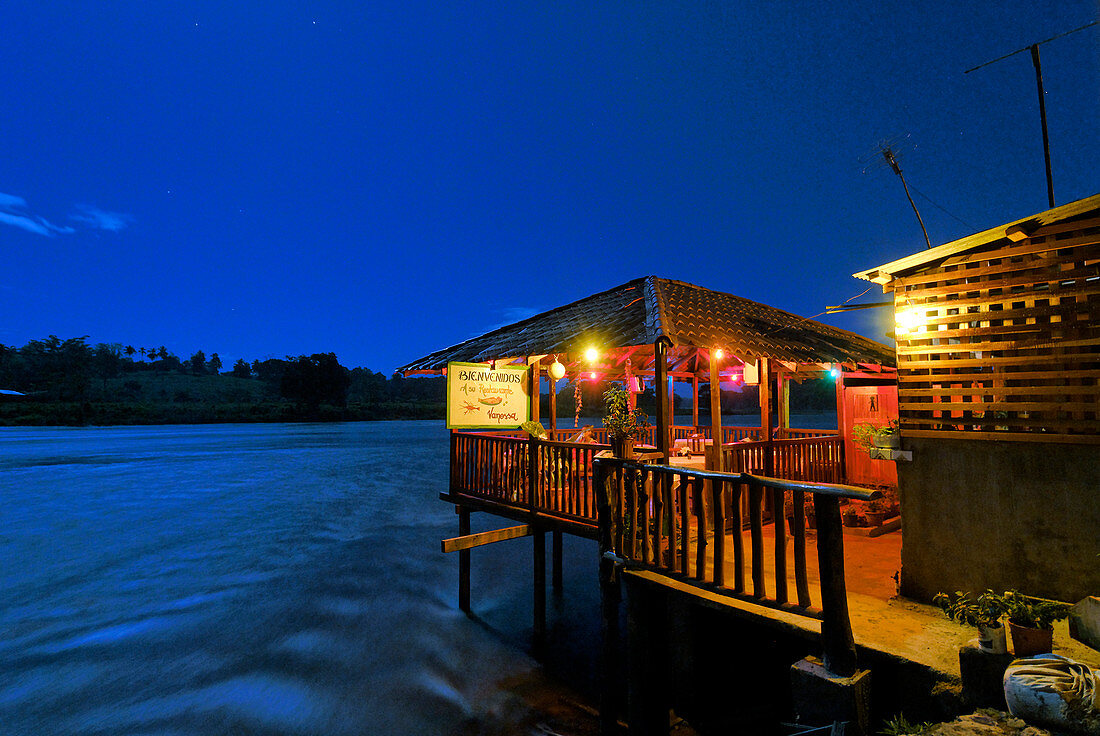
{"x":979,"y":514}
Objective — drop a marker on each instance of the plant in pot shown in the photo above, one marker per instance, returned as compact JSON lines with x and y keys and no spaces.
{"x":1031,"y":622}
{"x":849,"y":515}
{"x":983,"y":613}
{"x":888,"y":437}
{"x":624,"y":425}
{"x":875,"y":511}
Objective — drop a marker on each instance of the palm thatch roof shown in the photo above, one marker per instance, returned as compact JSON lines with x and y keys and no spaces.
{"x":636,"y":314}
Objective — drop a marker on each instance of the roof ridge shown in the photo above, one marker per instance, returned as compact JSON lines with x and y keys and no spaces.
{"x":657,"y":324}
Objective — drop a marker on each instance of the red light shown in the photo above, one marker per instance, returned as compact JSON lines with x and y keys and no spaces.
{"x":592,"y":376}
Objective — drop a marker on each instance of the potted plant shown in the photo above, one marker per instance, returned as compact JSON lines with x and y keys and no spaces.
{"x":875,"y":511}
{"x":1031,"y":622}
{"x":888,"y":437}
{"x":624,"y":425}
{"x":849,"y":516}
{"x":983,"y":613}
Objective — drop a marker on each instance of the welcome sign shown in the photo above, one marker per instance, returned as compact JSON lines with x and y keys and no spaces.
{"x":482,"y":397}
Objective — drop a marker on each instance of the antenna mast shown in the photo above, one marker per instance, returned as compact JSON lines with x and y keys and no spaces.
{"x":892,"y":160}
{"x":1034,"y":48}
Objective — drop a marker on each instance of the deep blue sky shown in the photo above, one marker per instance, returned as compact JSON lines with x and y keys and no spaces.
{"x":384,"y":179}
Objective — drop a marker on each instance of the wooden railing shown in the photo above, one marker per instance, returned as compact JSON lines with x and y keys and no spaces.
{"x":498,"y":468}
{"x":819,"y":459}
{"x":678,"y":522}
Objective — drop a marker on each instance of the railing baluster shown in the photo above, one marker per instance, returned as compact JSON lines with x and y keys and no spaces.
{"x":756,"y":529}
{"x":719,"y":525}
{"x":736,"y":491}
{"x":644,"y":501}
{"x":700,"y":526}
{"x":780,"y":525}
{"x":685,"y":527}
{"x":802,"y":587}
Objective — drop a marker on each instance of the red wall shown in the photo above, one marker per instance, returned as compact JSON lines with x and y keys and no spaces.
{"x":867,"y":404}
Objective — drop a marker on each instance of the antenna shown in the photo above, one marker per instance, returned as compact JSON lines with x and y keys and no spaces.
{"x":1034,"y":48}
{"x":887,"y":149}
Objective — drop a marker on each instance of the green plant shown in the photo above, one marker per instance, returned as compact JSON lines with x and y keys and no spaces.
{"x":863,"y":436}
{"x":899,"y":725}
{"x":535,"y":429}
{"x":892,"y":427}
{"x":619,"y":419}
{"x":1033,"y":613}
{"x":984,"y":611}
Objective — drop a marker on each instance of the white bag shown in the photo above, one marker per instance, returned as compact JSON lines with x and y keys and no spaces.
{"x":1054,"y":691}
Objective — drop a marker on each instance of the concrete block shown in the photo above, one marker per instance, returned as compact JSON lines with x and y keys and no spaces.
{"x":820,"y":697}
{"x":982,"y":676}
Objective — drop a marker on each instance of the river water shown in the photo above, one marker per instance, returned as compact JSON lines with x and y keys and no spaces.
{"x":268,"y":579}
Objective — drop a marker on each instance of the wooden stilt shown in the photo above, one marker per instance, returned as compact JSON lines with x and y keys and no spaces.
{"x":463,"y":562}
{"x":611,"y":597}
{"x":555,"y":563}
{"x":540,"y":590}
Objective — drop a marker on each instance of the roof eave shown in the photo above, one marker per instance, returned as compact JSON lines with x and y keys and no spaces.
{"x":888,"y":272}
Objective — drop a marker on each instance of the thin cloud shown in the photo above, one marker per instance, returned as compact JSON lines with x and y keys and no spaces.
{"x":13,"y":211}
{"x":101,"y":219}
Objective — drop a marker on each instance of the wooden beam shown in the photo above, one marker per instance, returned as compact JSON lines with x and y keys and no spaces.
{"x":480,"y":539}
{"x":661,"y":379}
{"x":715,"y":414}
{"x":536,"y":386}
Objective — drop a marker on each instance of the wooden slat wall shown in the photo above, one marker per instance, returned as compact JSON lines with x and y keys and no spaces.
{"x":1009,"y":345}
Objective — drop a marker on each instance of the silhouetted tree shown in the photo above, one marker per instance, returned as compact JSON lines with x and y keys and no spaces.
{"x":214,"y":365}
{"x":197,"y":364}
{"x":241,"y":369}
{"x":316,"y":379}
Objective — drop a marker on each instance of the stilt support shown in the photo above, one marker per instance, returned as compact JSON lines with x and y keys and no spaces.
{"x":463,"y":562}
{"x":611,"y":669}
{"x":556,"y":564}
{"x":540,"y":590}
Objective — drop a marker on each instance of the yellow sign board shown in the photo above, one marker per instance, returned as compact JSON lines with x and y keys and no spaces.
{"x":482,"y":397}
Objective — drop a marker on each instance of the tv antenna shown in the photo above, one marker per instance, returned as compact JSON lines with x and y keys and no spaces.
{"x":1034,"y":48}
{"x":888,"y":151}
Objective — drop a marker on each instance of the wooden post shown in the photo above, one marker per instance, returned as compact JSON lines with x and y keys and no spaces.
{"x":555,"y":563}
{"x":841,"y":423}
{"x":661,"y":380}
{"x":836,"y":628}
{"x":646,"y":689}
{"x":610,"y":600}
{"x":540,"y":591}
{"x":553,"y":406}
{"x":783,"y":399}
{"x":695,"y":402}
{"x":715,"y":413}
{"x":671,"y":402}
{"x":536,"y":386}
{"x":463,"y":561}
{"x":766,"y":415}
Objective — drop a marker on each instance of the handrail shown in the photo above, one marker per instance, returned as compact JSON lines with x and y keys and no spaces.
{"x":664,"y":518}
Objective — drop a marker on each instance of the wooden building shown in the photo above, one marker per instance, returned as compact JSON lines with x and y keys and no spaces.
{"x":998,"y":358}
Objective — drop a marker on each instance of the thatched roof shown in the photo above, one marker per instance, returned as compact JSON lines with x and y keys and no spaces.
{"x":637,"y":313}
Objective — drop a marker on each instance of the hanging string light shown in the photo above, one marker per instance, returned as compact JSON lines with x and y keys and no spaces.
{"x":577,"y":401}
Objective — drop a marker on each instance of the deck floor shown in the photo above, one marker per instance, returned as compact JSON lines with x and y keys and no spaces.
{"x":881,"y":621}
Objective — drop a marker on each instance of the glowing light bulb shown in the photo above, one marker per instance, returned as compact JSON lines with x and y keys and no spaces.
{"x":592,"y":376}
{"x":557,"y":370}
{"x":591,"y":355}
{"x":907,"y":320}
{"x":834,"y":372}
{"x":719,"y":353}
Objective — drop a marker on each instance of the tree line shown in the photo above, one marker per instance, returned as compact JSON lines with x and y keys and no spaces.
{"x":73,"y":382}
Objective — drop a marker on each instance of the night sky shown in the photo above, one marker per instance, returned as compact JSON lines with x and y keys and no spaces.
{"x":381,"y":180}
